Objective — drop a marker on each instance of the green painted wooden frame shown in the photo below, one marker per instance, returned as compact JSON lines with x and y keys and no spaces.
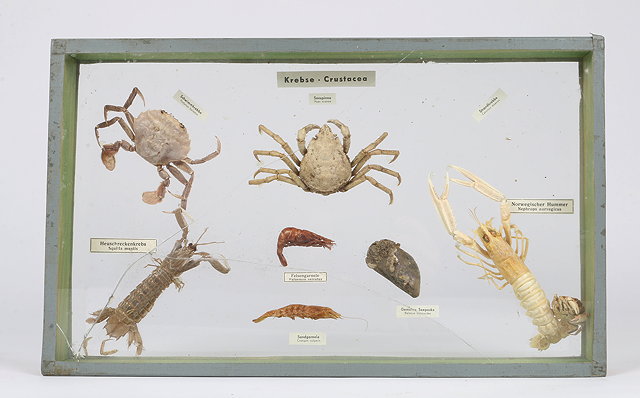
{"x":67,"y":55}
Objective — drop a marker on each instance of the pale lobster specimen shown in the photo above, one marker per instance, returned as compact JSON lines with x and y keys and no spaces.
{"x":125,"y":317}
{"x":501,"y":256}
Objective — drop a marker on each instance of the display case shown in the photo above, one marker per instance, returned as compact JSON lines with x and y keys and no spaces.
{"x":326,"y":207}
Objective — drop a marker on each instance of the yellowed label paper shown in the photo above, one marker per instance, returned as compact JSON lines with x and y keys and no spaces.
{"x":307,"y":338}
{"x":541,"y":206}
{"x":190,"y":104}
{"x":487,"y":106}
{"x":305,"y":276}
{"x":417,"y":311}
{"x":322,"y":99}
{"x":117,"y":245}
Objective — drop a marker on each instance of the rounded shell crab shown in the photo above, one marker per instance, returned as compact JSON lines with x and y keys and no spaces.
{"x":325,"y":167}
{"x":160,"y":139}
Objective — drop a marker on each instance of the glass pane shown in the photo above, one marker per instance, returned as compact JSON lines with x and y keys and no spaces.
{"x":526,"y":144}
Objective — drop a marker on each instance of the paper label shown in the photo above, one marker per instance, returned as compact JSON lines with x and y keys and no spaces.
{"x":543,"y":206}
{"x":189,"y":104}
{"x":417,"y":311}
{"x":326,"y":79}
{"x":116,"y":245}
{"x":322,"y":99}
{"x":305,"y":276}
{"x":307,"y":338}
{"x":489,"y":104}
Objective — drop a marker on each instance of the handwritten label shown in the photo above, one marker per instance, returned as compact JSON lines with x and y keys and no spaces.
{"x":489,"y":104}
{"x":305,"y":276}
{"x":307,"y":338}
{"x":116,"y":245}
{"x":542,"y":206}
{"x":322,"y":99}
{"x":326,"y":79}
{"x":190,"y":104}
{"x":417,"y":311}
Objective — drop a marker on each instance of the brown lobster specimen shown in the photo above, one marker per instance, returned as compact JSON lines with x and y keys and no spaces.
{"x":300,"y":237}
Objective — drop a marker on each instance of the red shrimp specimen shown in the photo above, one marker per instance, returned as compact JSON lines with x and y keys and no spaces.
{"x":300,"y":237}
{"x":301,"y":311}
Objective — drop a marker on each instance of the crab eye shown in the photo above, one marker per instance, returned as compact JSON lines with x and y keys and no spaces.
{"x":485,"y":238}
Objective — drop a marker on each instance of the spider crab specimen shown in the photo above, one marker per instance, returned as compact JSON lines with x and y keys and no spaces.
{"x":325,"y":167}
{"x":160,"y":139}
{"x":501,"y":254}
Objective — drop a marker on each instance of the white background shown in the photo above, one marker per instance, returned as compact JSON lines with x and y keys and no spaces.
{"x":25,"y":34}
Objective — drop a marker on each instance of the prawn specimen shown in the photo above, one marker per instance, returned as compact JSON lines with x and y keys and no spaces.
{"x":506,"y":249}
{"x":300,"y":237}
{"x":301,"y":311}
{"x":125,"y":317}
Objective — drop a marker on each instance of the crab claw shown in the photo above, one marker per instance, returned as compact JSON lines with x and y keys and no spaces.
{"x":152,"y":197}
{"x":108,"y":156}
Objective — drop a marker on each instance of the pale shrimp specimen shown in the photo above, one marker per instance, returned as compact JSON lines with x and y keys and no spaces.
{"x":125,"y":317}
{"x":294,"y":311}
{"x":502,"y":257}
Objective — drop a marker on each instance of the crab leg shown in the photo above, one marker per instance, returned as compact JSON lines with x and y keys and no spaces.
{"x":490,"y":192}
{"x":370,"y":147}
{"x":346,"y":134}
{"x":302,"y":133}
{"x":379,"y":168}
{"x":155,"y":197}
{"x":109,"y":150}
{"x":276,"y":177}
{"x":125,"y":107}
{"x":116,"y":108}
{"x":279,"y":140}
{"x":180,"y":177}
{"x":357,"y":181}
{"x":277,"y":154}
{"x":208,"y":157}
{"x":295,"y":179}
{"x":368,"y":156}
{"x":132,"y":96}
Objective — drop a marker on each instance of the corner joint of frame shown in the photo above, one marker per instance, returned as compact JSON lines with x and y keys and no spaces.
{"x":58,"y":46}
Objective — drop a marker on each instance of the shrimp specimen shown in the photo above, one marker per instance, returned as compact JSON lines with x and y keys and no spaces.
{"x":300,"y":237}
{"x":301,"y":311}
{"x":124,"y":318}
{"x":506,"y":248}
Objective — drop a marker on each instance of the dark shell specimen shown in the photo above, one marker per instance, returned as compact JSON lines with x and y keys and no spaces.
{"x":389,"y":260}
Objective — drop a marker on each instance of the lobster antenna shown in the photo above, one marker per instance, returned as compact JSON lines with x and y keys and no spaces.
{"x":201,"y":235}
{"x":474,"y":214}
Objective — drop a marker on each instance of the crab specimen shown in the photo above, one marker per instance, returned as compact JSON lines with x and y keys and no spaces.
{"x":160,"y":139}
{"x":325,"y":167}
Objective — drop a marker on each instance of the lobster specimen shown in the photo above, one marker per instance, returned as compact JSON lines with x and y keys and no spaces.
{"x":300,"y":237}
{"x":125,"y":317}
{"x":301,"y":311}
{"x":506,"y":249}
